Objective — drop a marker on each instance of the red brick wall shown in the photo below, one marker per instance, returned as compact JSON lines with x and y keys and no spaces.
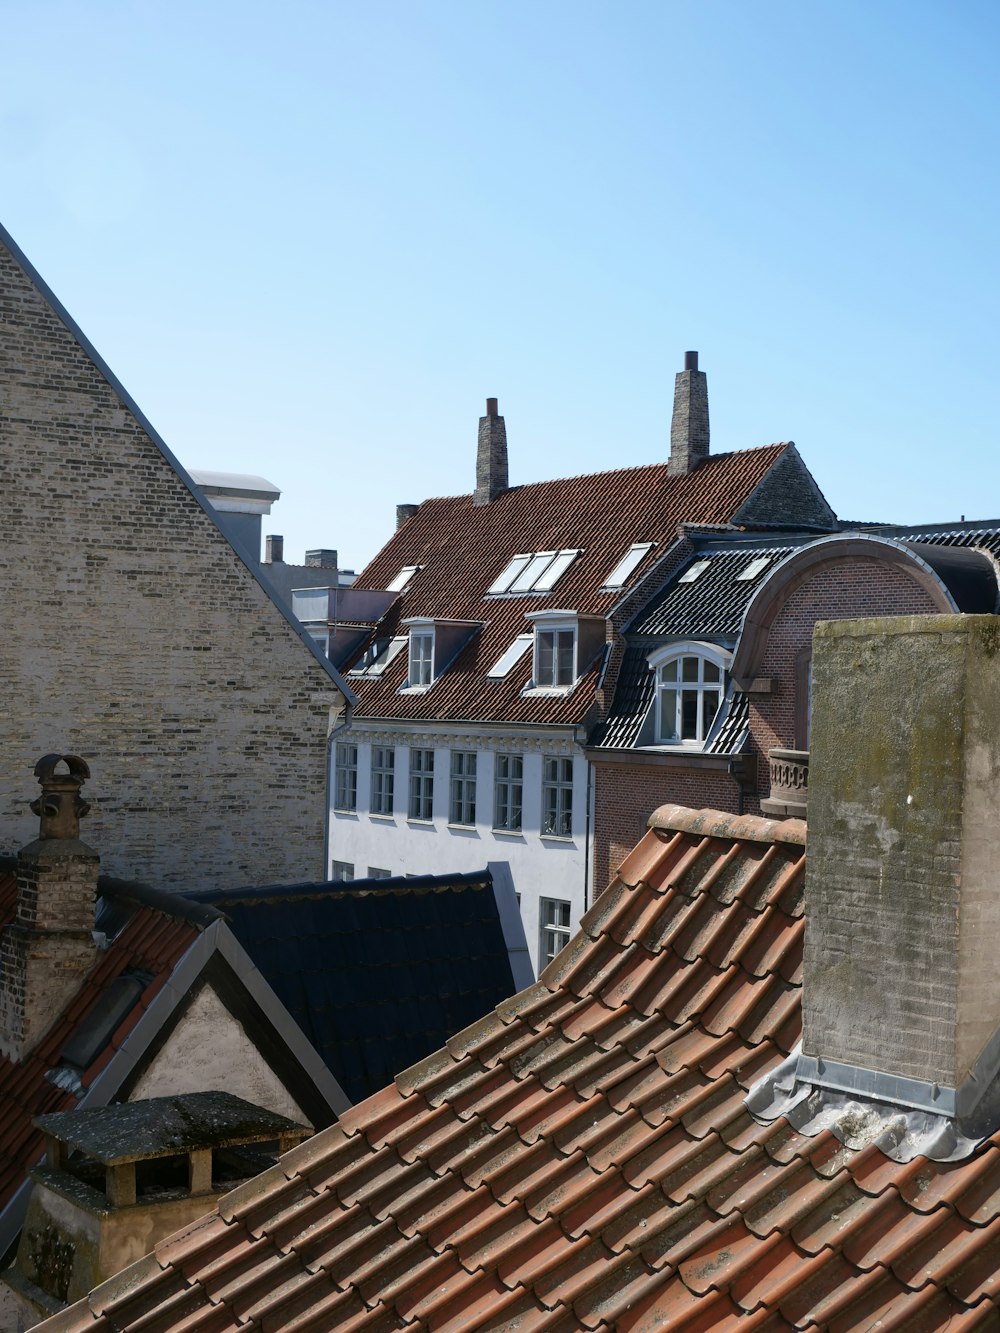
{"x":844,"y":589}
{"x":625,"y":795}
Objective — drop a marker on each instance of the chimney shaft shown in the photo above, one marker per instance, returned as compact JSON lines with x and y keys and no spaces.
{"x":901,"y":990}
{"x":689,"y":435}
{"x":49,"y":948}
{"x":404,"y":513}
{"x":321,"y":559}
{"x":274,"y":550}
{"x":491,"y":456}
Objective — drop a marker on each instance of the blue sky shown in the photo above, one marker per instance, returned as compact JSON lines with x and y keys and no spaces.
{"x":311,"y":239}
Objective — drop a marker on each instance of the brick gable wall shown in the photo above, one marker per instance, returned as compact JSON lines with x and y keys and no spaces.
{"x":838,"y":590}
{"x":135,"y":636}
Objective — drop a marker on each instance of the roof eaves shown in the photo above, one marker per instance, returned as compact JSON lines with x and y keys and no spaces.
{"x":67,"y":319}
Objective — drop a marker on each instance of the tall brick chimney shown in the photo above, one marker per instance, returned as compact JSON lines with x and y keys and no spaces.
{"x":491,"y":456}
{"x":689,"y":423}
{"x":49,"y":947}
{"x":901,"y":988}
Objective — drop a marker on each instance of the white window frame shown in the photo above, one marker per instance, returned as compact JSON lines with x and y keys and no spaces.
{"x":420,"y":805}
{"x":554,"y":929}
{"x":508,"y":792}
{"x":463,"y":788}
{"x":533,"y":571}
{"x":377,"y":872}
{"x":627,"y":565}
{"x":548,"y":678}
{"x":557,"y":796}
{"x":346,"y":786}
{"x":664,"y":658}
{"x":383,"y":780}
{"x":341,"y":871}
{"x":421,"y":668}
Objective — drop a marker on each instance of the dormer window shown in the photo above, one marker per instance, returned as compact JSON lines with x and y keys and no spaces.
{"x":433,"y":646}
{"x":565,"y":645}
{"x":690,"y":687}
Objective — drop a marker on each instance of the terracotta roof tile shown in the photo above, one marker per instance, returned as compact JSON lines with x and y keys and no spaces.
{"x":461,"y":549}
{"x":583,"y":1158}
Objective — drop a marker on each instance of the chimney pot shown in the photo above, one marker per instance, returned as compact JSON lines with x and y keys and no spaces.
{"x":690,"y":360}
{"x":274,"y":550}
{"x":491,"y":407}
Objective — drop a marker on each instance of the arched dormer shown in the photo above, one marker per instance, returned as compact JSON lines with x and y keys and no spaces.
{"x":953,"y":578}
{"x":690,"y":689}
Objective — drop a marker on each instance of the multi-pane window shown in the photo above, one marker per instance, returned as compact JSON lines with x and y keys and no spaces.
{"x":553,"y":928}
{"x":421,"y":657}
{"x":688,"y":695}
{"x":508,"y":779}
{"x":383,"y":777}
{"x":463,"y":787}
{"x":557,"y":796}
{"x":342,"y":870}
{"x":346,"y":791}
{"x":555,"y":656}
{"x":421,"y":784}
{"x":377,"y":872}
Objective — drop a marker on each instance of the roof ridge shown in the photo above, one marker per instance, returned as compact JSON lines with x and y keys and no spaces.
{"x":720,"y":824}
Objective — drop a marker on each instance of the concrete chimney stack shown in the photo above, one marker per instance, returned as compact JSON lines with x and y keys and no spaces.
{"x":901,"y":988}
{"x":689,"y":424}
{"x":491,"y":456}
{"x":274,"y":548}
{"x":49,"y":947}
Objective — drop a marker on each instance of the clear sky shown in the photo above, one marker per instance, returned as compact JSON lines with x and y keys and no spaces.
{"x":311,"y":239}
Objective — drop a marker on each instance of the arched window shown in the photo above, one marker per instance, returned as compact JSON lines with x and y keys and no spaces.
{"x":690,"y":687}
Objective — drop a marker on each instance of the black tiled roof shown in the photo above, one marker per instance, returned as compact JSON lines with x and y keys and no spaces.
{"x":712,"y":606}
{"x":377,"y":973}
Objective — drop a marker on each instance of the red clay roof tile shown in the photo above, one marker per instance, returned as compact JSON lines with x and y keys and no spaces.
{"x":583,"y":1159}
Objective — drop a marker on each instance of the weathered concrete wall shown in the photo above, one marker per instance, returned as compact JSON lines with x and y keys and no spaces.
{"x":209,"y":1050}
{"x":135,"y":636}
{"x":903,"y":881}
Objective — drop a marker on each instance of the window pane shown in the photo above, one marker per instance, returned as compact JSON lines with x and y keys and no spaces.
{"x":533,"y":569}
{"x":555,"y":571}
{"x":669,"y":670}
{"x":710,"y":671}
{"x":689,"y":715}
{"x":564,"y":670}
{"x":668,"y":714}
{"x":546,"y":651}
{"x":689,"y":668}
{"x":710,"y":706}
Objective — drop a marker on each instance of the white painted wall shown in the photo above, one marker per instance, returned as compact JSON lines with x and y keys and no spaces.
{"x":541,"y":866}
{"x":210,"y":1051}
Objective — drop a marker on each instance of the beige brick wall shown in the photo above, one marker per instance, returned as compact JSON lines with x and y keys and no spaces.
{"x":132,"y":634}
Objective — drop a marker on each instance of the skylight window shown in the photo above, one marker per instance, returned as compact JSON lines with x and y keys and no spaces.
{"x":402,"y":579}
{"x":379,"y":655}
{"x":753,"y":569}
{"x":513,"y":655}
{"x":537,"y":571}
{"x":627,"y":565}
{"x":694,"y":572}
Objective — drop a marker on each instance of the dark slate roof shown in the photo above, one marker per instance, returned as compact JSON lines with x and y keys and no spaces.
{"x":378,"y":973}
{"x":711,"y":608}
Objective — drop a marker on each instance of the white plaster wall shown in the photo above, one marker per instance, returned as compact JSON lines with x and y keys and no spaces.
{"x":210,"y":1051}
{"x":541,"y":866}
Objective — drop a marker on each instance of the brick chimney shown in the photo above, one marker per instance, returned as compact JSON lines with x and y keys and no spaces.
{"x":274,"y":550}
{"x":689,"y":423}
{"x":404,"y":513}
{"x":49,"y":948}
{"x":901,"y":988}
{"x":491,"y":456}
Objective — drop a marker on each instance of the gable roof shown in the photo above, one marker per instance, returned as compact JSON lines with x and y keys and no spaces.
{"x":63,"y":315}
{"x":164,"y":945}
{"x":461,"y":548}
{"x":583,"y":1159}
{"x":379,"y":973}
